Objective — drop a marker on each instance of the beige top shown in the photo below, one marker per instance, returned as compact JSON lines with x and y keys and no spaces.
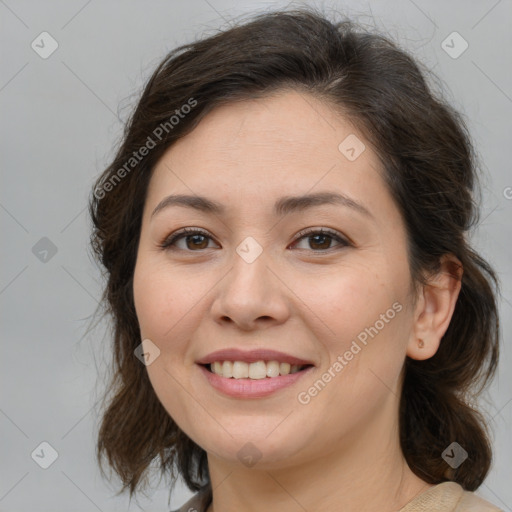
{"x":445,"y":497}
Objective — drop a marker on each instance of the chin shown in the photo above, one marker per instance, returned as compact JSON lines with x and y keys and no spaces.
{"x":251,"y":444}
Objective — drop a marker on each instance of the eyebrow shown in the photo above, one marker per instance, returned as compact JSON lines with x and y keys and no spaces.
{"x":283,"y":206}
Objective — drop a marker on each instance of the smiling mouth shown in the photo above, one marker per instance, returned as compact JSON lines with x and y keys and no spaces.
{"x":253,"y":371}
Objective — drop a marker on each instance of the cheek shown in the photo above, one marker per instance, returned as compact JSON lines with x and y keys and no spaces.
{"x":346,"y":302}
{"x":166,"y":316}
{"x":160,"y":301}
{"x":360,"y":318}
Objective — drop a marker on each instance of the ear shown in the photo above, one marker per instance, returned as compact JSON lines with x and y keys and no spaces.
{"x":434,"y":308}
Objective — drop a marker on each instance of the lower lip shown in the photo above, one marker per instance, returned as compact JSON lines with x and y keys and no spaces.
{"x":252,"y":388}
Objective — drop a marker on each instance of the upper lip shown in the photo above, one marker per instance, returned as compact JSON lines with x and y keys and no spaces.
{"x":251,"y":356}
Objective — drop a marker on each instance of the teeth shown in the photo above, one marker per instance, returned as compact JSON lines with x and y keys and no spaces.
{"x":256,"y":371}
{"x":227,"y":369}
{"x":240,"y":370}
{"x":284,"y":368}
{"x":272,"y":369}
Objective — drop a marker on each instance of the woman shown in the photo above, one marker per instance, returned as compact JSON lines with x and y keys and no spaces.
{"x":299,"y":319}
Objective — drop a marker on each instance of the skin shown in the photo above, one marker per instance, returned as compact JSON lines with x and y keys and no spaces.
{"x":309,"y":297}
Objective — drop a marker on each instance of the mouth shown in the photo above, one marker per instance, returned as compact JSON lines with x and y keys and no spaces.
{"x":245,"y":388}
{"x":258,"y":373}
{"x":254,"y":371}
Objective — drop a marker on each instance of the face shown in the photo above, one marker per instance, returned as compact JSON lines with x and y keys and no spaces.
{"x":323,"y":284}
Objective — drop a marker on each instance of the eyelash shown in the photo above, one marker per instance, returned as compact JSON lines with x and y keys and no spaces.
{"x":168,"y":242}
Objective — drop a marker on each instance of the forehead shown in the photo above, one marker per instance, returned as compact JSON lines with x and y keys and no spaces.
{"x":286,"y":143}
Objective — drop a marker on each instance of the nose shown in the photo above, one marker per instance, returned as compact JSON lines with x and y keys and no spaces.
{"x":251,"y":296}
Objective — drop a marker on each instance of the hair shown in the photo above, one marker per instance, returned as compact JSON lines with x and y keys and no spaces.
{"x":429,"y":165}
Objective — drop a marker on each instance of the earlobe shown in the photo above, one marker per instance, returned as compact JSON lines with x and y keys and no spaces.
{"x":434,"y":309}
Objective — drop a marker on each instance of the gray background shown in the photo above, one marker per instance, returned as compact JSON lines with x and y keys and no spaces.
{"x":61,"y":117}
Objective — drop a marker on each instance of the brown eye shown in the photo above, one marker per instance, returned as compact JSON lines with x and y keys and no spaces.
{"x":196,"y":242}
{"x":195,"y":239}
{"x":321,"y":240}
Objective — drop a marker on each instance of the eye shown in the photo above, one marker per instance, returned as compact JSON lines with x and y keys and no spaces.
{"x":320,"y":239}
{"x":195,"y":239}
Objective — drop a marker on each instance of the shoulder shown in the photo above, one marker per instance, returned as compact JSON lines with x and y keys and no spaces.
{"x":198,"y":503}
{"x":470,"y":502}
{"x":445,"y":497}
{"x":449,"y":497}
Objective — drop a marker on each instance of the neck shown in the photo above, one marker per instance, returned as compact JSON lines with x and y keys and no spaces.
{"x":368,"y":473}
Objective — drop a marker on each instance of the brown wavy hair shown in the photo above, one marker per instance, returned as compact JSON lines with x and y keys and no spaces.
{"x":430,"y":167}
